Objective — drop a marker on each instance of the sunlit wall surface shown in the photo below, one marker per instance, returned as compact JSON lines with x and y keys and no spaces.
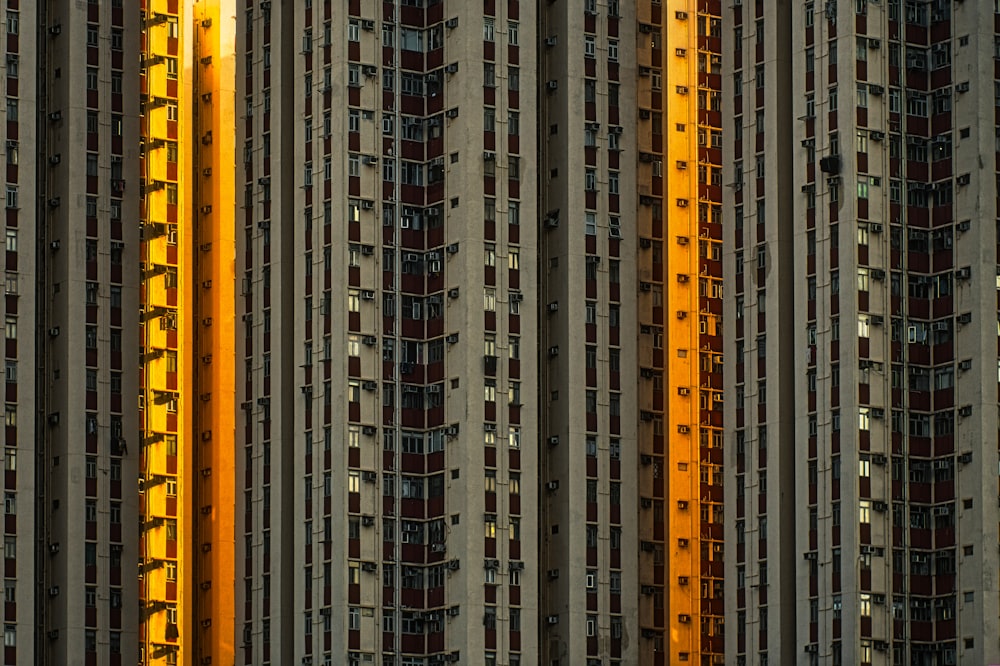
{"x":680,"y":315}
{"x":187,"y":337}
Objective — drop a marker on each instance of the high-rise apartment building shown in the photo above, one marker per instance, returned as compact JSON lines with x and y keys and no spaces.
{"x":588,"y":452}
{"x":388,"y":379}
{"x":475,"y":411}
{"x":389,"y":179}
{"x":861,"y":269}
{"x":186,"y":404}
{"x":71,"y":298}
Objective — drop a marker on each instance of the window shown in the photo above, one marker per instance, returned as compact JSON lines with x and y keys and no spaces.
{"x":512,"y":33}
{"x":589,"y":46}
{"x":488,"y":30}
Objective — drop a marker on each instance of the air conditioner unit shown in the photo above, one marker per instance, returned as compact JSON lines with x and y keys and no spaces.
{"x":965,"y":364}
{"x":962,"y":87}
{"x":368,"y":430}
{"x":552,"y":486}
{"x":964,"y":225}
{"x":964,"y":318}
{"x":879,"y":458}
{"x":452,"y":22}
{"x":880,"y":506}
{"x":370,"y":567}
{"x":874,"y":43}
{"x":368,"y":25}
{"x":453,"y":292}
{"x":452,"y":338}
{"x":553,"y":440}
{"x":875,"y":227}
{"x":438,"y":548}
{"x":452,"y":113}
{"x":369,"y":476}
{"x":452,"y":68}
{"x":684,"y":618}
{"x":368,"y":295}
{"x":963,"y":273}
{"x":553,"y":306}
{"x":646,"y":503}
{"x":552,"y":619}
{"x":965,"y":458}
{"x":965,"y":410}
{"x":369,"y":340}
{"x":489,"y":155}
{"x":369,"y":385}
{"x":683,"y":390}
{"x":683,"y":429}
{"x":453,"y":565}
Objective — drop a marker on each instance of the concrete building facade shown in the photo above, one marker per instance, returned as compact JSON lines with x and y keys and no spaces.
{"x":72,"y":296}
{"x":387,"y":266}
{"x":861,"y":172}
